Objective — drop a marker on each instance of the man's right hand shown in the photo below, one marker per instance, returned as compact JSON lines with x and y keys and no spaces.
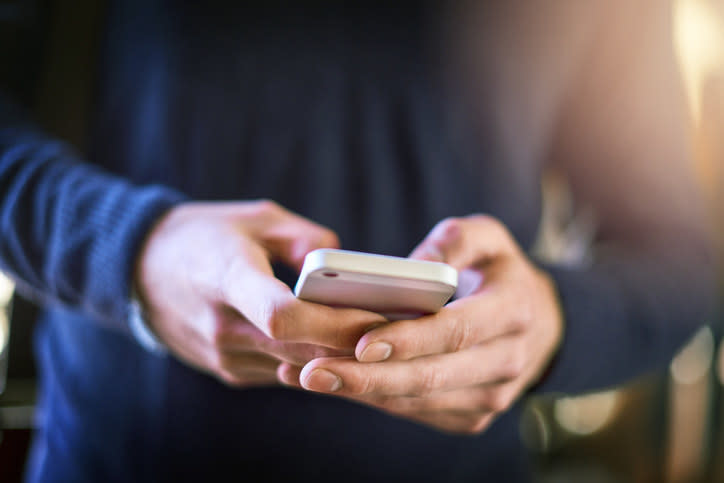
{"x":205,"y":278}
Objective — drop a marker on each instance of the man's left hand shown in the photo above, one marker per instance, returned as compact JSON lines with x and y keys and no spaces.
{"x":457,"y":369}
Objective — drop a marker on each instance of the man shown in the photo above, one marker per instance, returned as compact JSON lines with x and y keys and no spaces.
{"x":171,"y":346}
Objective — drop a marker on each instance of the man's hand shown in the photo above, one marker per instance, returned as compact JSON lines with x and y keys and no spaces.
{"x":457,"y":369}
{"x":205,"y":277}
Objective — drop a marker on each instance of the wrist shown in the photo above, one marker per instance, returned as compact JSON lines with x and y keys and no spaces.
{"x":555,"y":328}
{"x":138,"y":320}
{"x":140,"y":328}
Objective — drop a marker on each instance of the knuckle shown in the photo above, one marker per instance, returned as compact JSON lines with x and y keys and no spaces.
{"x":521,"y":318}
{"x":266,"y":209}
{"x":513,"y":366}
{"x":480,"y":404}
{"x":394,"y":405}
{"x":361,"y":385}
{"x":461,"y":335}
{"x":500,"y":400}
{"x":470,"y":428}
{"x":219,"y":332}
{"x":525,"y":315}
{"x":278,"y":320}
{"x":311,"y":351}
{"x":298,"y":354}
{"x":230,"y":379}
{"x":224,"y":364}
{"x":267,"y":206}
{"x":479,"y":425}
{"x":486,"y":219}
{"x":229,"y":281}
{"x":448,"y":227}
{"x":408,"y":405}
{"x":328,"y":238}
{"x":515,"y":325}
{"x":490,"y":222}
{"x":429,"y":381}
{"x":466,"y":425}
{"x":275,"y":326}
{"x":217,"y":363}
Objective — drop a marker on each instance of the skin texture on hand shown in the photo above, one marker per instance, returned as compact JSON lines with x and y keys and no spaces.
{"x":457,"y":369}
{"x":206,"y":281}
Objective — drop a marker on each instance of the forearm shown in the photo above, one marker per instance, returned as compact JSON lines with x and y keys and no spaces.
{"x":627,"y":315}
{"x":69,"y":231}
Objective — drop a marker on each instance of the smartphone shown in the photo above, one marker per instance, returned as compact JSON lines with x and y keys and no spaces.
{"x":395,"y":287}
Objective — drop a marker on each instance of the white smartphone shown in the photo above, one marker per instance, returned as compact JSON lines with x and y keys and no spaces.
{"x":396,"y":287}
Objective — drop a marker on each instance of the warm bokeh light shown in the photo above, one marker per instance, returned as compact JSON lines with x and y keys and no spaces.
{"x":720,"y":363}
{"x":6,"y":290}
{"x":693,"y":362}
{"x":587,"y":414}
{"x":6,"y":293}
{"x":687,"y":408}
{"x":699,"y":37}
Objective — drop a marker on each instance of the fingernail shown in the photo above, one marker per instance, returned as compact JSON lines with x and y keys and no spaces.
{"x":376,"y":352}
{"x":323,"y":380}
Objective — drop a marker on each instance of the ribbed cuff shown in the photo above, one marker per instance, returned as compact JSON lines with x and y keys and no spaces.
{"x":124,"y":222}
{"x":596,"y":340}
{"x":141,"y":330}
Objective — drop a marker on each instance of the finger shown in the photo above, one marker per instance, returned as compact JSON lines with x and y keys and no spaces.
{"x":476,"y":400}
{"x":300,"y":353}
{"x":288,"y":374}
{"x":234,"y":334}
{"x":287,"y":237}
{"x":458,"y":422}
{"x":240,"y":368}
{"x":455,"y":423}
{"x":252,"y":379}
{"x":465,"y":242}
{"x":481,"y":399}
{"x":271,"y":306}
{"x":457,"y":326}
{"x":464,"y":410}
{"x":497,"y":361}
{"x":441,"y":413}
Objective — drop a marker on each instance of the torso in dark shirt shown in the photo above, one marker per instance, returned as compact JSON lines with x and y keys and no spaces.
{"x":336,"y":112}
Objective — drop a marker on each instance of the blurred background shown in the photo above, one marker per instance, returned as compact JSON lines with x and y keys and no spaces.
{"x":665,"y":427}
{"x":669,"y":426}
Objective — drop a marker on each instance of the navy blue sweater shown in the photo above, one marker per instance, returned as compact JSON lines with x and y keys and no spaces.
{"x":339,"y":114}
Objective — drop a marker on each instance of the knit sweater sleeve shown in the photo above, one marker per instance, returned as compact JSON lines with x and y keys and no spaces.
{"x":69,"y":231}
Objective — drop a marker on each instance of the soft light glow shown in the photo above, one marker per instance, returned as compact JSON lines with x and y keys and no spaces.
{"x":6,"y":293}
{"x":4,"y":332}
{"x":585,"y":415}
{"x":695,"y":359}
{"x":720,"y":364}
{"x":6,"y":290}
{"x":699,"y":38}
{"x":4,"y":338}
{"x":534,"y":429}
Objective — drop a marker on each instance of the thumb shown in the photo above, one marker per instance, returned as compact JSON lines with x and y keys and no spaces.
{"x":299,"y":248}
{"x":288,"y":237}
{"x":465,"y":242}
